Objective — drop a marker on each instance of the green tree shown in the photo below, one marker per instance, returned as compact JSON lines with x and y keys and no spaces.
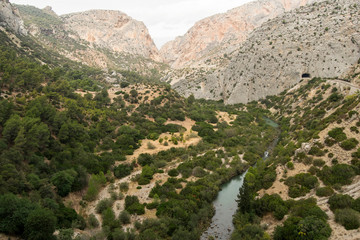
{"x":11,"y":128}
{"x":40,"y":224}
{"x":63,"y":181}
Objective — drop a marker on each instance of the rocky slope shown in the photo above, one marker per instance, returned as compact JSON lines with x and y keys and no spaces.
{"x":112,"y":30}
{"x":221,"y":33}
{"x":10,"y":18}
{"x":98,"y":38}
{"x":322,"y":40}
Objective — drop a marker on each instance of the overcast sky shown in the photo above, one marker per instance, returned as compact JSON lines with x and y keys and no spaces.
{"x":165,"y":19}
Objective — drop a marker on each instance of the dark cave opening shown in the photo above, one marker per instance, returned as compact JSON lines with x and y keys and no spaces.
{"x":306,"y":75}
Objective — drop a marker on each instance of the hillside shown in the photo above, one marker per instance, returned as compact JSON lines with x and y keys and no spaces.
{"x":222,"y":33}
{"x":98,"y":38}
{"x":319,"y":40}
{"x":104,"y":162}
{"x":88,"y":153}
{"x":315,"y":163}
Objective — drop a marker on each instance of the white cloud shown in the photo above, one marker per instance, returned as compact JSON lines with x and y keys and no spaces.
{"x":165,"y":19}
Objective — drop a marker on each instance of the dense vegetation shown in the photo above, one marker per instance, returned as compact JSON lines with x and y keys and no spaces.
{"x":55,"y":142}
{"x":303,"y":125}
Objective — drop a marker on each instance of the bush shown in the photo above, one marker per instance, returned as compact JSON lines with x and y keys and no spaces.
{"x":103,"y":205}
{"x":316,"y":151}
{"x":310,"y":227}
{"x":356,"y":204}
{"x":152,"y":205}
{"x":340,"y":201}
{"x":349,"y":144}
{"x":337,"y":134}
{"x":297,"y":191}
{"x":122,"y":170}
{"x":198,"y":172}
{"x":290,"y":165}
{"x":143,"y":181}
{"x":133,"y":206}
{"x":109,"y":220}
{"x":124,"y":187}
{"x":324,"y":192}
{"x":95,"y":184}
{"x":337,"y":174}
{"x":124,"y":217}
{"x":145,"y":159}
{"x":348,"y":218}
{"x":318,"y":162}
{"x":92,"y":221}
{"x":150,"y":145}
{"x":173,"y":173}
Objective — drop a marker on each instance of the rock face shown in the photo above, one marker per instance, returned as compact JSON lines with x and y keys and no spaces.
{"x":10,"y":17}
{"x":98,"y":38}
{"x":112,"y":30}
{"x":318,"y":40}
{"x":220,"y":33}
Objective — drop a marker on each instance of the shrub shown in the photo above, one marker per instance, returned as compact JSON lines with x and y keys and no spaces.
{"x":133,"y":206}
{"x":318,"y":162}
{"x":109,"y":220}
{"x":337,"y":174}
{"x":150,"y":145}
{"x":316,"y":151}
{"x":124,"y":217}
{"x":337,"y":134}
{"x":198,"y":172}
{"x":324,"y":191}
{"x":145,"y":159}
{"x":124,"y":187}
{"x":348,"y":218}
{"x":92,"y":221}
{"x":143,"y":181}
{"x":95,"y":183}
{"x":311,"y":227}
{"x":103,"y":205}
{"x":349,"y":144}
{"x":173,"y":173}
{"x":290,"y":165}
{"x":340,"y":201}
{"x":303,"y":179}
{"x":122,"y":170}
{"x":297,"y":191}
{"x":152,"y":205}
{"x":356,"y":204}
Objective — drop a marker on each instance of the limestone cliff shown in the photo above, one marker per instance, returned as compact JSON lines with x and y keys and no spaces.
{"x":112,"y":30}
{"x":220,"y":33}
{"x":98,"y":38}
{"x":318,"y":40}
{"x":10,"y":18}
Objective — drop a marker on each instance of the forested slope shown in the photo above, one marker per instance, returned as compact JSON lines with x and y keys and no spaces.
{"x":66,"y":134}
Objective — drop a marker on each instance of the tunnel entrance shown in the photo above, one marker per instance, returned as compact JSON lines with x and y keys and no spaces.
{"x":306,"y":75}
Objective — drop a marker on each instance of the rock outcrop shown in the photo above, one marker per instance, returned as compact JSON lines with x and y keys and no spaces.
{"x":98,"y":38}
{"x":318,"y":40}
{"x":222,"y":33}
{"x":10,"y":18}
{"x":112,"y":30}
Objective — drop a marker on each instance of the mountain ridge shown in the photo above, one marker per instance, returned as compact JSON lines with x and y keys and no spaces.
{"x":220,"y":33}
{"x":319,"y":40}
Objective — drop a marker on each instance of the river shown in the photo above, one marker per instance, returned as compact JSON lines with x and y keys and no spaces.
{"x":225,"y":205}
